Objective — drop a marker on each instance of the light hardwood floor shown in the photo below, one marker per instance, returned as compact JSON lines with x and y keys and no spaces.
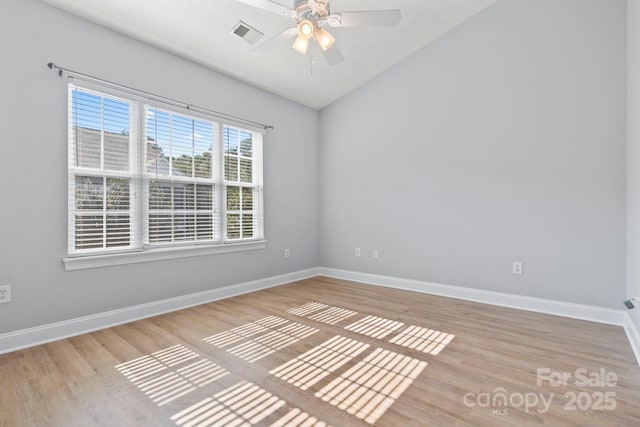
{"x":327,"y":351}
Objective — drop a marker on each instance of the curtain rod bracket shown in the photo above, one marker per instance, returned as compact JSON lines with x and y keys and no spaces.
{"x":53,"y":66}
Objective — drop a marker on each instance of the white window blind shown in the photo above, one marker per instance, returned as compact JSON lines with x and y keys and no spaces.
{"x":181,"y":185}
{"x":100,"y":172}
{"x":241,"y":177}
{"x":172,"y":178}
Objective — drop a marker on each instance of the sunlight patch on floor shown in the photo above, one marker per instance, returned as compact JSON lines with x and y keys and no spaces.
{"x":153,"y":376}
{"x":255,"y":340}
{"x":423,"y":339}
{"x":231,"y":336}
{"x":370,"y":387}
{"x":375,"y":327}
{"x":333,"y":315}
{"x":322,"y":312}
{"x":243,"y":404}
{"x":298,"y":418}
{"x":307,"y":308}
{"x":312,"y":366}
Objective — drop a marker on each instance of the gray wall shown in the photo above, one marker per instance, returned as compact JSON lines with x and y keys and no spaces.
{"x":502,"y":141}
{"x":33,"y":177}
{"x":633,"y":154}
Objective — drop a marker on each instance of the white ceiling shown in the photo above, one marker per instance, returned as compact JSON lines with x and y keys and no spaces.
{"x":199,"y":30}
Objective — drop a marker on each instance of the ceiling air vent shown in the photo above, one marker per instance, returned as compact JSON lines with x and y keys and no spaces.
{"x":246,"y":32}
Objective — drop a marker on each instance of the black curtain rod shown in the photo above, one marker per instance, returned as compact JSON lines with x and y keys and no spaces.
{"x":72,"y":73}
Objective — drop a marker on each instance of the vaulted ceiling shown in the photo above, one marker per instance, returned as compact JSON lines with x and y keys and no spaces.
{"x":200,"y":30}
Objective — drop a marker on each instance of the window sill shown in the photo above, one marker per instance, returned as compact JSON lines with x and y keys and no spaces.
{"x":157,"y":254}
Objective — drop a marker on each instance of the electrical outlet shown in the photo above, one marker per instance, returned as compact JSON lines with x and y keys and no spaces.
{"x":517,"y":268}
{"x":287,"y":253}
{"x":5,"y":294}
{"x":357,"y":251}
{"x":376,"y":254}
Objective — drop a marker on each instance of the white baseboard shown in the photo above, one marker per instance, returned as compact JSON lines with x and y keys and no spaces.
{"x":558,"y":308}
{"x":633,"y":334}
{"x":30,"y":337}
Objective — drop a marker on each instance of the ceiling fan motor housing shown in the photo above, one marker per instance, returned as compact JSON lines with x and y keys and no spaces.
{"x":306,"y":9}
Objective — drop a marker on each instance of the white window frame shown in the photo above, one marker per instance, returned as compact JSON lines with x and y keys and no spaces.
{"x":140,"y":249}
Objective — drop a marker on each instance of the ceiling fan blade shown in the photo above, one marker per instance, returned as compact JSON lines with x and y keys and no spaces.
{"x":371,"y":18}
{"x":268,"y":5}
{"x":333,"y":55}
{"x":280,"y":37}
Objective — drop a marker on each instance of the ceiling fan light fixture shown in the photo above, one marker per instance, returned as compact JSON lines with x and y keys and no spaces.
{"x":324,"y":39}
{"x":306,"y":29}
{"x":301,"y":44}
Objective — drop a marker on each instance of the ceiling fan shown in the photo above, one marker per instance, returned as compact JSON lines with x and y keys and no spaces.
{"x":312,"y":16}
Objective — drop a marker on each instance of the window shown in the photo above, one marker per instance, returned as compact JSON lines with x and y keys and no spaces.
{"x":145,"y":176}
{"x":238,"y":175}
{"x":181,"y":181}
{"x":101,"y":174}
